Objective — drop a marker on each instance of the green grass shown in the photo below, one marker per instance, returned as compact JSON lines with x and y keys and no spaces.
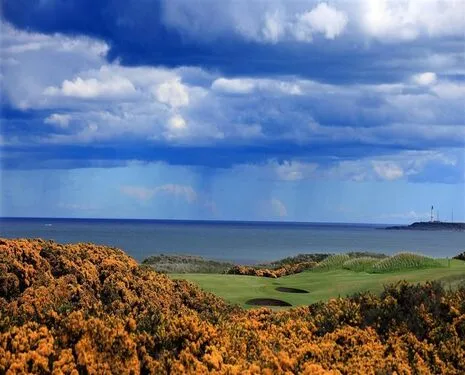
{"x":321,"y":285}
{"x":362,"y":264}
{"x":404,"y":261}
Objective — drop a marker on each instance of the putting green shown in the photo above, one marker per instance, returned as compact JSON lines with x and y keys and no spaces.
{"x":320,"y":285}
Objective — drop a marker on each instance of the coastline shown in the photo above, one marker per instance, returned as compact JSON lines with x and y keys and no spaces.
{"x":430,"y":226}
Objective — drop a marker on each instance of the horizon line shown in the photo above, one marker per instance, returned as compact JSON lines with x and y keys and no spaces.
{"x":193,"y":220}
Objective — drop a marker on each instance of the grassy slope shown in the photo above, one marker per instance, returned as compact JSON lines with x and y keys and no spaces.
{"x":321,"y":285}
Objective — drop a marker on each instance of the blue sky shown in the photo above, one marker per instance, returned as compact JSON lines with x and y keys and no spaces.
{"x":347,"y":111}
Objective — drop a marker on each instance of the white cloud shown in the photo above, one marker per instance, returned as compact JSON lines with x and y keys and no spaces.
{"x":16,"y":42}
{"x":278,"y":207}
{"x":234,"y":86}
{"x":173,"y":93}
{"x":425,"y":79}
{"x":402,"y":165}
{"x":57,"y":119}
{"x":91,"y":88}
{"x":273,"y":28}
{"x":406,"y":20}
{"x":33,"y":61}
{"x":151,"y":103}
{"x":450,"y":90}
{"x":176,"y":127}
{"x":322,"y":19}
{"x":177,"y":123}
{"x":261,"y":21}
{"x":179,"y":191}
{"x":25,"y":47}
{"x":275,"y":21}
{"x":289,"y":88}
{"x":388,"y":170}
{"x":393,"y":167}
{"x":119,"y":100}
{"x":249,"y":85}
{"x":294,"y":170}
{"x":288,"y":170}
{"x":348,"y":170}
{"x":138,"y":192}
{"x":99,"y":125}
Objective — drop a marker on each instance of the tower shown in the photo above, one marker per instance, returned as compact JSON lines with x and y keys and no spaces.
{"x":431,"y":218}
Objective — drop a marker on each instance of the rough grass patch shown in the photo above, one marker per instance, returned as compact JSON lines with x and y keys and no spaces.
{"x":184,"y":263}
{"x":366,"y":254}
{"x":332,"y":262}
{"x":404,"y":261}
{"x":362,"y":264}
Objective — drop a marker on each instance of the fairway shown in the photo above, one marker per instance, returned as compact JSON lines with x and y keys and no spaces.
{"x":320,"y":285}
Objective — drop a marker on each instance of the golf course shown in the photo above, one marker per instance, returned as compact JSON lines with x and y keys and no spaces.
{"x":92,"y":309}
{"x":322,"y":283}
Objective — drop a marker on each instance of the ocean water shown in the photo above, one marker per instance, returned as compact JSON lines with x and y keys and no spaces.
{"x":243,"y":242}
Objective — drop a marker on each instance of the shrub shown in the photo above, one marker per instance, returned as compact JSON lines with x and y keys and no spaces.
{"x":274,"y":273}
{"x":300,"y":258}
{"x":362,"y":264}
{"x":332,"y":262}
{"x":404,"y":261}
{"x":91,"y":309}
{"x":460,"y":256}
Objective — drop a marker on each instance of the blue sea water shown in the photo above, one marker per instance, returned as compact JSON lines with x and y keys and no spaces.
{"x":245,"y":242}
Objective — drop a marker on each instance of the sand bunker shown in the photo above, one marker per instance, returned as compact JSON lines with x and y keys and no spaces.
{"x":290,"y":290}
{"x":266,"y":302}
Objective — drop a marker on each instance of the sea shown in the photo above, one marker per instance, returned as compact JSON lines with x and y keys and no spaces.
{"x":240,"y":242}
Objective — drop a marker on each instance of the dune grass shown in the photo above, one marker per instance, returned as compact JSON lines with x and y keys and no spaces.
{"x":321,"y":285}
{"x":362,"y":264}
{"x":404,"y":261}
{"x":184,"y":263}
{"x":332,"y":262}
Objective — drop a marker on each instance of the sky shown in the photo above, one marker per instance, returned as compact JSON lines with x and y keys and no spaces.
{"x":282,"y":110}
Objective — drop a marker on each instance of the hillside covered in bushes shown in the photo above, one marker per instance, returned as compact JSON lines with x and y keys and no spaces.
{"x":83,"y":308}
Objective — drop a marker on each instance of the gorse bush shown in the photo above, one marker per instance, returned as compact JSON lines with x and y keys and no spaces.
{"x":332,"y":262}
{"x":460,"y":256}
{"x":404,"y":261}
{"x":362,"y":264}
{"x":300,"y":258}
{"x":288,"y":269}
{"x":70,"y":309}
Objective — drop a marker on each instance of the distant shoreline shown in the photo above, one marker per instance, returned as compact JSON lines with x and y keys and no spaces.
{"x":239,"y":242}
{"x":199,"y":221}
{"x":430,"y":225}
{"x":435,"y":225}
